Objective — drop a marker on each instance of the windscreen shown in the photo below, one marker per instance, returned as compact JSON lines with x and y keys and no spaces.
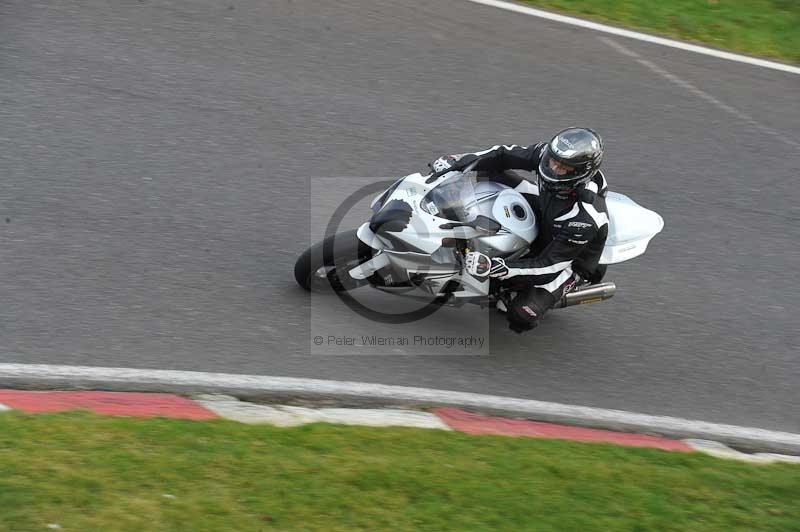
{"x":453,"y":199}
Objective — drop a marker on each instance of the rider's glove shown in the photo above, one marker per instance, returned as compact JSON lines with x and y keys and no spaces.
{"x":481,"y":266}
{"x":451,"y":163}
{"x":445,"y":162}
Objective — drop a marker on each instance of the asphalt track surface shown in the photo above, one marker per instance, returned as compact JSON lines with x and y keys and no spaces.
{"x":157,"y":159}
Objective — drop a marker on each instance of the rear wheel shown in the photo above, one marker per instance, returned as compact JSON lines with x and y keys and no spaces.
{"x":324,"y":266}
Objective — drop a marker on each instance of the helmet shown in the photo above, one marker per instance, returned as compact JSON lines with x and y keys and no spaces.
{"x":570,"y":159}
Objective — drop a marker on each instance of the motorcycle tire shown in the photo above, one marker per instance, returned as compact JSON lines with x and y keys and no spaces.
{"x":317,"y":269}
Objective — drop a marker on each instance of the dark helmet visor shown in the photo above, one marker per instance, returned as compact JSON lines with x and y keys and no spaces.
{"x":557,"y":172}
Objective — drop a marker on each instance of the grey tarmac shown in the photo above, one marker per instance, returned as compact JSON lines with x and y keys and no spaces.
{"x":157,"y":160}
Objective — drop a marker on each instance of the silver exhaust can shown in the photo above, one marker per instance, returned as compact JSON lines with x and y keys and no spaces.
{"x":591,"y":294}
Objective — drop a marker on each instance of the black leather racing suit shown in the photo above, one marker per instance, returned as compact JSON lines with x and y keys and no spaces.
{"x":572,"y":232}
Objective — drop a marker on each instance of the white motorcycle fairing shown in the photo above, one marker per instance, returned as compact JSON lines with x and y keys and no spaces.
{"x":630,"y":229}
{"x":437,"y":225}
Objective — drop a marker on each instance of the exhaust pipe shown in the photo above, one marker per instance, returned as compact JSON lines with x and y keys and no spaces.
{"x":591,"y":294}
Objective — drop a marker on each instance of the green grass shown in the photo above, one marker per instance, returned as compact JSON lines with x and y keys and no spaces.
{"x":769,"y":28}
{"x":92,"y":473}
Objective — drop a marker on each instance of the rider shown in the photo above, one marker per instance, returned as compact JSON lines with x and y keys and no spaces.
{"x":570,"y":208}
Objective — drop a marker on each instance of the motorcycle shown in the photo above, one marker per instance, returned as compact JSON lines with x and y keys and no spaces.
{"x":422,"y":226}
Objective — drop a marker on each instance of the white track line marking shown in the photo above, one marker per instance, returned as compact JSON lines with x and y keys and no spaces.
{"x":639,"y":36}
{"x":720,"y":450}
{"x":290,"y":416}
{"x":171,"y":380}
{"x":699,"y":93}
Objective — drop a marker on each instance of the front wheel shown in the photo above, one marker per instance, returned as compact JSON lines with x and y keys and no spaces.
{"x":324,"y":266}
